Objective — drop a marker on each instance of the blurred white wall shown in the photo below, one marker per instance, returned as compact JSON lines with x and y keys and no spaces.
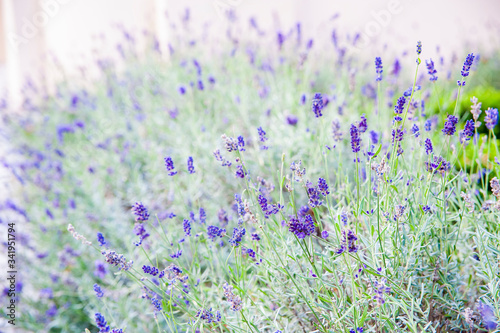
{"x":33,"y":32}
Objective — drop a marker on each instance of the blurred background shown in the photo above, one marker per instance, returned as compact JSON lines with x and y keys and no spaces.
{"x":42,"y":40}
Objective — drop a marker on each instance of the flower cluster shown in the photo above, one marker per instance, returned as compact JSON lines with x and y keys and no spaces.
{"x":186,"y":224}
{"x":428,"y":146}
{"x":213,"y":232}
{"x":487,"y":314}
{"x":238,"y":234}
{"x":98,"y":290}
{"x":231,"y":297}
{"x":491,"y":118}
{"x":439,"y":165}
{"x":379,"y":289}
{"x":450,"y":125}
{"x":140,"y":211}
{"x":267,"y":208}
{"x":430,"y":69}
{"x":221,"y":159}
{"x":190,"y":165}
{"x":317,"y":105}
{"x":262,"y":138}
{"x":208,"y":316}
{"x":378,"y":68}
{"x":355,"y":139}
{"x":117,"y":260}
{"x":151,"y":270}
{"x":348,"y":242}
{"x":336,"y":132}
{"x":302,"y":226}
{"x":399,"y":108}
{"x":169,"y":164}
{"x":77,"y":236}
{"x":297,"y":172}
{"x":101,"y":239}
{"x":231,"y":144}
{"x":141,"y":232}
{"x":466,"y":68}
{"x":475,"y":110}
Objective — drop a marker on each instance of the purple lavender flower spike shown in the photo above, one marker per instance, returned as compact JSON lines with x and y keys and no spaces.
{"x":378,"y":68}
{"x":450,"y":125}
{"x":317,"y":105}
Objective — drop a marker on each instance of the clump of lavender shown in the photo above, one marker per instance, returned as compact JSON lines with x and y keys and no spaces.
{"x":117,"y":260}
{"x":450,"y":125}
{"x":317,"y":105}
{"x":98,"y":290}
{"x":379,"y":289}
{"x":298,"y":173}
{"x":466,"y":68}
{"x":324,"y":234}
{"x":203,"y":216}
{"x":348,"y":242}
{"x":468,"y":131}
{"x":363,"y":124}
{"x":262,"y":138}
{"x":221,"y":159}
{"x":428,"y":146}
{"x":314,"y":195}
{"x":323,"y":187}
{"x":355,"y":139}
{"x":378,"y":68}
{"x":231,"y":297}
{"x":491,"y":118}
{"x":302,"y":226}
{"x":399,"y":108}
{"x":431,"y":70}
{"x":190,"y":165}
{"x":140,"y":211}
{"x":169,"y":164}
{"x":241,"y":143}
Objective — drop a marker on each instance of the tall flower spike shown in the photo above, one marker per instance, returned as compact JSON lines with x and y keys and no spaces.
{"x":428,"y":146}
{"x":475,"y":110}
{"x":140,"y":211}
{"x":466,"y":68}
{"x":431,"y":70}
{"x":355,"y":139}
{"x":491,"y":118}
{"x":450,"y":125}
{"x":378,"y":68}
{"x":190,"y":165}
{"x":317,"y":105}
{"x":169,"y":164}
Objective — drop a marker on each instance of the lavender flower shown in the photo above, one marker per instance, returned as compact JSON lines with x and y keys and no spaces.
{"x":487,"y":314}
{"x":415,"y":130}
{"x":419,"y":47}
{"x":150,"y":270}
{"x":469,"y":129}
{"x":140,"y":211}
{"x":190,"y":165}
{"x":380,"y":288}
{"x":323,"y":187}
{"x":255,"y":237}
{"x":292,"y":120}
{"x":101,"y":323}
{"x":317,"y":105}
{"x":430,"y":69}
{"x":378,"y":68}
{"x":302,"y":226}
{"x":208,"y":316}
{"x":98,"y":291}
{"x":241,"y":143}
{"x":475,"y":110}
{"x":362,"y":126}
{"x":398,"y":108}
{"x":187,"y":227}
{"x":355,"y":139}
{"x":428,"y":125}
{"x":101,"y":239}
{"x":231,"y":144}
{"x":348,"y":242}
{"x":428,"y":146}
{"x":203,"y":216}
{"x":238,"y":234}
{"x":314,"y":195}
{"x":240,"y":172}
{"x":231,"y":297}
{"x":100,"y":270}
{"x":262,"y":138}
{"x":117,"y":260}
{"x":439,"y":165}
{"x":169,"y":164}
{"x":213,"y":232}
{"x":491,"y":118}
{"x":450,"y":125}
{"x":324,"y":234}
{"x":374,"y":137}
{"x":336,"y":132}
{"x":466,"y":68}
{"x":141,"y":232}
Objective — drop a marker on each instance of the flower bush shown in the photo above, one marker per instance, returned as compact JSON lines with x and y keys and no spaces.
{"x":273,"y":188}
